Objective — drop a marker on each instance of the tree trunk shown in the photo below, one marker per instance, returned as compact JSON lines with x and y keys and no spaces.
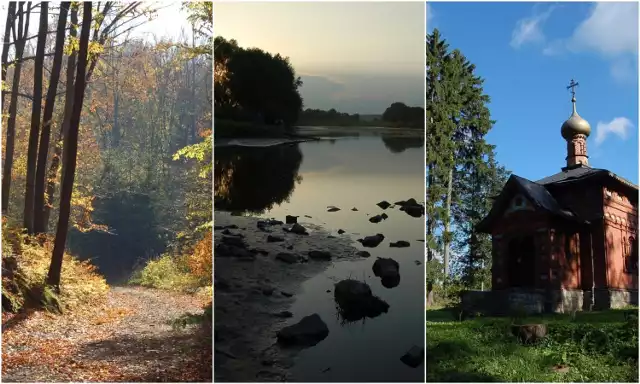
{"x":70,"y":152}
{"x":429,"y":234}
{"x":193,"y":88}
{"x":5,"y":50}
{"x":446,"y":225}
{"x":66,"y":120}
{"x":45,"y":136}
{"x":23,"y":28}
{"x":32,"y":152}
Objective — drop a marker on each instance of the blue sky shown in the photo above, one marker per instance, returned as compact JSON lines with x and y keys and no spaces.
{"x":528,"y":53}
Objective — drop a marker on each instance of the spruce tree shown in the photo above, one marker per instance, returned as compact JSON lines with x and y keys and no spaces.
{"x":458,"y":119}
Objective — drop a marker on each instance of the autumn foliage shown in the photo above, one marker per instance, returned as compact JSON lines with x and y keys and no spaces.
{"x":25,"y":263}
{"x":200,"y":261}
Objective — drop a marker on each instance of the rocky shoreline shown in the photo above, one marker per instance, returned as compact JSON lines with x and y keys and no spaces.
{"x":259,"y":267}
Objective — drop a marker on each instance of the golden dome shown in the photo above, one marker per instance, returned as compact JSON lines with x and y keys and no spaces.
{"x":575,"y":125}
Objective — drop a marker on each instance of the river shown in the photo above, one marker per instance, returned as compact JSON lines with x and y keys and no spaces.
{"x":346,"y":168}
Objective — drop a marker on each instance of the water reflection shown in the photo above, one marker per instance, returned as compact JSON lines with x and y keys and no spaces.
{"x":364,"y":344}
{"x":255,"y":179}
{"x":399,"y":144}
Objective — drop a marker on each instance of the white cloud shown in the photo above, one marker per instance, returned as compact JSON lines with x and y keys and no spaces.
{"x":529,"y":30}
{"x":610,"y":29}
{"x":619,"y":126}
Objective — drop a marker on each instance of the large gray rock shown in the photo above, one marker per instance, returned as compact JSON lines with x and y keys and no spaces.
{"x":306,"y":333}
{"x":414,"y":357}
{"x":298,"y":229}
{"x":356,"y":301}
{"x":388,"y":270}
{"x":372,"y":241}
{"x":400,"y":244}
{"x":386,"y":267}
{"x":319,"y":255}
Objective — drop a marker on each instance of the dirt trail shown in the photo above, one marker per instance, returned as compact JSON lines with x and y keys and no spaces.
{"x":128,"y":338}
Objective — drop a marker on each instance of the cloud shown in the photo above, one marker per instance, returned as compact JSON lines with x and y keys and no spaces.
{"x":610,"y":29}
{"x":619,"y":126}
{"x":529,"y":29}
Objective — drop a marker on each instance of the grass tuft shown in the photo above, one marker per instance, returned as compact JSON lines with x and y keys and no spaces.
{"x":580,"y":347}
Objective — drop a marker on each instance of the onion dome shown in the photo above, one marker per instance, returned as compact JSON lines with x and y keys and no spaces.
{"x":575,"y":125}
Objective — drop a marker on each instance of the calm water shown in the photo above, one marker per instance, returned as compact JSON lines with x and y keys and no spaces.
{"x":303,"y":179}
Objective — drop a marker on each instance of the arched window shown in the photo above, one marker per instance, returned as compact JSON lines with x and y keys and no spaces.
{"x":634,"y":254}
{"x":631,"y":255}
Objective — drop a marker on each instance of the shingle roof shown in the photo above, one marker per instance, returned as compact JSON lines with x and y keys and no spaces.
{"x":536,"y":193}
{"x":541,"y":198}
{"x":569,"y":174}
{"x":581,"y":172}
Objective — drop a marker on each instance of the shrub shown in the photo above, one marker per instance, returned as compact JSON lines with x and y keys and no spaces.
{"x":166,"y":272}
{"x":200,"y":260}
{"x":25,"y":265}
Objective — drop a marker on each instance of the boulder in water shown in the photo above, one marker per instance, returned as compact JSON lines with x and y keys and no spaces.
{"x":383,"y":204}
{"x":306,"y":333}
{"x":414,"y":357}
{"x":388,"y":270}
{"x":376,"y":219}
{"x":372,"y":241}
{"x":356,"y":301}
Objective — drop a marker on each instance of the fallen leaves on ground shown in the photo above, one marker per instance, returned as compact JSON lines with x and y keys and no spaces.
{"x":129,"y":338}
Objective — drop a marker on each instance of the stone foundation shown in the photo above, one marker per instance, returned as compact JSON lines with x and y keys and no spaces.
{"x":505,"y":302}
{"x":615,"y":298}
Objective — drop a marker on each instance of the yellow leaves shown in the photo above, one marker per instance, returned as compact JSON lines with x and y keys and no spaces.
{"x":72,"y":45}
{"x":80,"y":283}
{"x":112,"y":315}
{"x":95,"y":48}
{"x":200,"y":261}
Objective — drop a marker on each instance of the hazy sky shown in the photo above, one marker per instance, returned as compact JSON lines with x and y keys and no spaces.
{"x":168,"y":21}
{"x":355,"y":57}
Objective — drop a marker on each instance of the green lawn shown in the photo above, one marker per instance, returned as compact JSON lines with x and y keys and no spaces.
{"x":592,"y":347}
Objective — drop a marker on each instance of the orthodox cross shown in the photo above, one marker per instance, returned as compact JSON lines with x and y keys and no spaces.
{"x":573,"y":86}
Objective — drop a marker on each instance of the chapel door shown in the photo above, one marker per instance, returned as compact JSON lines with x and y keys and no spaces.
{"x":521,"y":267}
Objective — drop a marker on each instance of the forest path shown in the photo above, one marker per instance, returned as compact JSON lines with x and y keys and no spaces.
{"x":128,"y":338}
